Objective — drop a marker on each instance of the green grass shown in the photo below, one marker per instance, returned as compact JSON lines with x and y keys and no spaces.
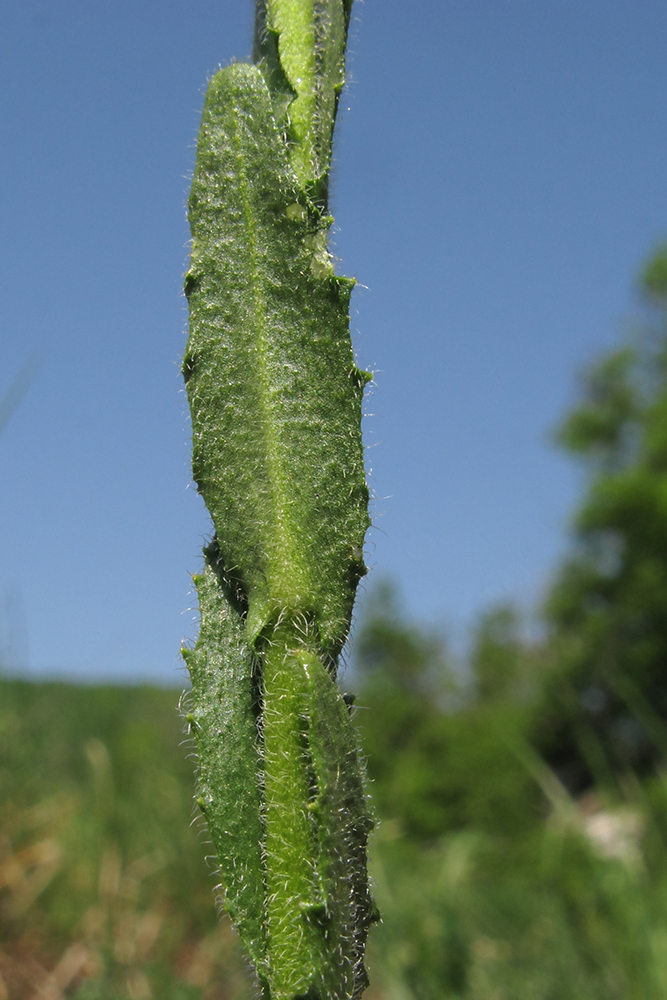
{"x":105,"y":893}
{"x":551,"y":918}
{"x":102,"y":872}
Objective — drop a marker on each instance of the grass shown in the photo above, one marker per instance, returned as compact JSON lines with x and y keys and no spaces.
{"x":557,"y":920}
{"x":105,"y":893}
{"x":104,"y":890}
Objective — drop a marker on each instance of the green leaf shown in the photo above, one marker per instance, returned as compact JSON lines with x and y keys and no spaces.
{"x":274,"y":392}
{"x":300,"y":46}
{"x":343,"y":823}
{"x":222,"y":721}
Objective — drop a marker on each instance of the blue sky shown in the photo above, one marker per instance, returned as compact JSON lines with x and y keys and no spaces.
{"x":499,"y":179}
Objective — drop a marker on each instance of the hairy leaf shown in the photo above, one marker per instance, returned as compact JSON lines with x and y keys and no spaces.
{"x":300,"y":45}
{"x":223,"y":722}
{"x":274,"y":392}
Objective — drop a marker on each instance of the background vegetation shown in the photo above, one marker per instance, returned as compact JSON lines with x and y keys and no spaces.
{"x":522,"y":794}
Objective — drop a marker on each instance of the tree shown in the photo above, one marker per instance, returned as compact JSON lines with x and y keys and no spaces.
{"x":605,"y":705}
{"x":444,"y":739}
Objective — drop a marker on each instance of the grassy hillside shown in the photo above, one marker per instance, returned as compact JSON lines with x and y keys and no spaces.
{"x":104,"y":890}
{"x":501,"y":887}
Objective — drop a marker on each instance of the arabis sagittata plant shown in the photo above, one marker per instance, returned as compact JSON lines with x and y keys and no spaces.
{"x":275,"y":398}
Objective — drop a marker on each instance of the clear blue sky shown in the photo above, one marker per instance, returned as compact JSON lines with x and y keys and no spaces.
{"x":500,"y":176}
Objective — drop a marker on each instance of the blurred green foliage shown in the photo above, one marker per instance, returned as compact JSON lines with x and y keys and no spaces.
{"x":604,"y":706}
{"x":496,"y":881}
{"x":103,"y":882}
{"x":442,"y":747}
{"x":523,"y":793}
